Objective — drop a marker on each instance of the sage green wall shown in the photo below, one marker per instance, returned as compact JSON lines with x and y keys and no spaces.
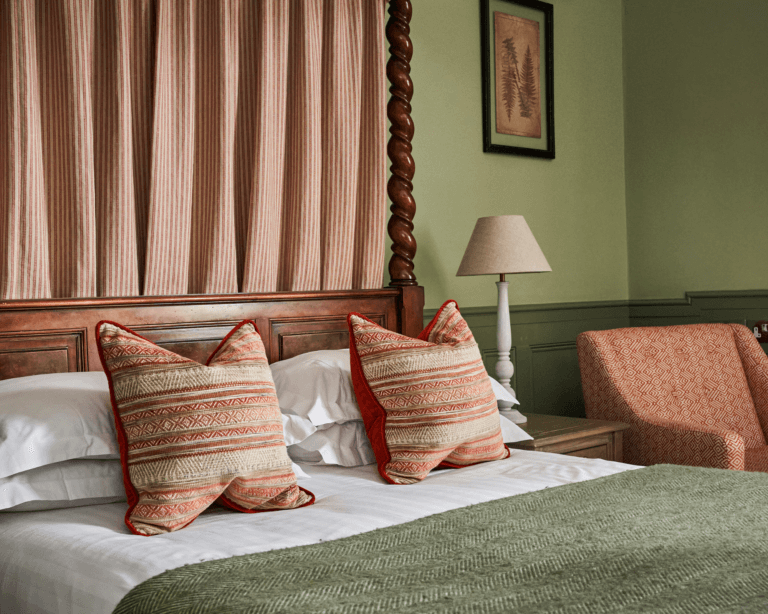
{"x":696,"y":132}
{"x":574,"y":204}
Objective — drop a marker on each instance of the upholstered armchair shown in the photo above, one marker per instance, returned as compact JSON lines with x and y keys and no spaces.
{"x":693,"y":395}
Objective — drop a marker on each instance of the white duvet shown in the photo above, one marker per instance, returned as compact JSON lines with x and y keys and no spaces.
{"x":83,"y":560}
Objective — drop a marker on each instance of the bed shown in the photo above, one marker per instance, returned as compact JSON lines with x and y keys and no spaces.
{"x":82,"y":559}
{"x":491,"y":537}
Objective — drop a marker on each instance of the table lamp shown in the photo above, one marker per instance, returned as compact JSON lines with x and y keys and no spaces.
{"x":502,"y":245}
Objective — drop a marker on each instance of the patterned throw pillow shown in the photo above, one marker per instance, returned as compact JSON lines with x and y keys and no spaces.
{"x":426,"y":402}
{"x":191,"y":434}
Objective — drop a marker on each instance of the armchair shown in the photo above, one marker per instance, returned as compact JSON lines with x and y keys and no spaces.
{"x":693,"y":395}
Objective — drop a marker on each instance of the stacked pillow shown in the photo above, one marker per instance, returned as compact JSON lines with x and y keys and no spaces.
{"x":58,"y":446}
{"x":57,"y":442}
{"x":317,"y":387}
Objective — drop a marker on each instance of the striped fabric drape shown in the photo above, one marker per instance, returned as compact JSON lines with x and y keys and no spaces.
{"x":191,"y":146}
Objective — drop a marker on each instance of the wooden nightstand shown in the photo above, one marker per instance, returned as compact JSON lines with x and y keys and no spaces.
{"x":573,"y":436}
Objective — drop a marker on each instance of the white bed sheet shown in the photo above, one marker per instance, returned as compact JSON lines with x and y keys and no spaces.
{"x":84,"y":560}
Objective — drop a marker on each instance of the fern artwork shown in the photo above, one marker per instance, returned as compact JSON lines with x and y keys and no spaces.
{"x":518,"y":81}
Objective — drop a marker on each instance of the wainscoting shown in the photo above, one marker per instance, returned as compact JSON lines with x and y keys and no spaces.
{"x":547,"y":377}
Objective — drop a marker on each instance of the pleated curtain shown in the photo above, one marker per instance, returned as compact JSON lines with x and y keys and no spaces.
{"x":191,"y":147}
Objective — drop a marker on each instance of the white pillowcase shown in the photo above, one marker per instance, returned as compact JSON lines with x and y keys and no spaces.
{"x":66,"y":484}
{"x":502,"y":394}
{"x":55,"y":417}
{"x":296,"y":429}
{"x":344,"y":444}
{"x":347,"y":444}
{"x":51,"y":418}
{"x":317,"y":386}
{"x":71,"y":483}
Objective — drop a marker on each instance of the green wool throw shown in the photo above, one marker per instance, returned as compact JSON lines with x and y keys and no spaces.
{"x":660,"y":539}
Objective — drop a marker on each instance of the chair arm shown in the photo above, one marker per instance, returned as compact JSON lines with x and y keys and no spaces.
{"x":755,"y":364}
{"x":661,"y":440}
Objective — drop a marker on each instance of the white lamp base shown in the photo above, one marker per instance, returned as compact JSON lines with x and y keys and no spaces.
{"x":513,"y":415}
{"x":504,"y":367}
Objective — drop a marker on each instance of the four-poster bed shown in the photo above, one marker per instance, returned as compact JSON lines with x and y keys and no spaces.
{"x":542,"y":551}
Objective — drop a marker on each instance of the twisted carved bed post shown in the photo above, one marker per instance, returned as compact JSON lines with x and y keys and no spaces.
{"x":400,"y":186}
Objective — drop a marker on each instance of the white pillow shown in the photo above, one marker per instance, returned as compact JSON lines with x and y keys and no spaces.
{"x":51,"y":418}
{"x":347,"y":444}
{"x":66,"y":484}
{"x":510,"y":432}
{"x":71,"y":483}
{"x":502,"y":394}
{"x":344,"y":444}
{"x":296,"y":429}
{"x":318,"y":386}
{"x":56,"y":417}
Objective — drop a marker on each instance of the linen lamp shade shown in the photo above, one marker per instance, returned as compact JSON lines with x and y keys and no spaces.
{"x":502,"y":244}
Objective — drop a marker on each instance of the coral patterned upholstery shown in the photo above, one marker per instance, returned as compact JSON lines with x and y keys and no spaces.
{"x":693,"y":395}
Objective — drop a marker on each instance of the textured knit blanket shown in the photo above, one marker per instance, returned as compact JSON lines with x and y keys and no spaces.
{"x":659,"y":539}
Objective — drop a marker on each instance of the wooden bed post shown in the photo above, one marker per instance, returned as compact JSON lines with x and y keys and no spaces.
{"x":399,"y":186}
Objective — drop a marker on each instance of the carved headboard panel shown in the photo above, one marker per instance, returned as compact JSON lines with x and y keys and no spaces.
{"x":48,"y":336}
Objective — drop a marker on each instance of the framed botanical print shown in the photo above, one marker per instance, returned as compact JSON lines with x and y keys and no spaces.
{"x":518,"y":77}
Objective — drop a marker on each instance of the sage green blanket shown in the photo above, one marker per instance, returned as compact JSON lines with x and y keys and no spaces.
{"x":659,"y":539}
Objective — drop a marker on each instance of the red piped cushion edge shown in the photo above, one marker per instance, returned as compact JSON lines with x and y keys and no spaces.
{"x":466,"y":403}
{"x":126,"y":354}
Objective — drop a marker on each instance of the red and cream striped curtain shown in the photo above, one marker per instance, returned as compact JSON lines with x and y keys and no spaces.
{"x":191,"y":147}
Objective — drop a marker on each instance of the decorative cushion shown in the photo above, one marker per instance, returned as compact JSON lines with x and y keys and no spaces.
{"x":56,"y":417}
{"x":426,"y":402}
{"x":191,"y":434}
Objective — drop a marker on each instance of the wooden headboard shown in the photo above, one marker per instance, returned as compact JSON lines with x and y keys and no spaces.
{"x":50,"y":336}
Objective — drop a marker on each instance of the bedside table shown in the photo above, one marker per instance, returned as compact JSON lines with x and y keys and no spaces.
{"x":573,"y":436}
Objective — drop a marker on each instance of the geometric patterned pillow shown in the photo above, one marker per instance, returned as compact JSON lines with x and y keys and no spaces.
{"x":192,"y":434}
{"x":425,"y":402}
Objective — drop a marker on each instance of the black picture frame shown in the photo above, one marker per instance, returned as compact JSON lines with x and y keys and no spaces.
{"x":516,"y":144}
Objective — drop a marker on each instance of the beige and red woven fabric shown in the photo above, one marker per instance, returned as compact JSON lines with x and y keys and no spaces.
{"x":693,"y":395}
{"x":426,"y":402}
{"x":192,"y":434}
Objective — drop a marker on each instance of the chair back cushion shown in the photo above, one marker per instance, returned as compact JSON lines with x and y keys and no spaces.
{"x":691,"y":374}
